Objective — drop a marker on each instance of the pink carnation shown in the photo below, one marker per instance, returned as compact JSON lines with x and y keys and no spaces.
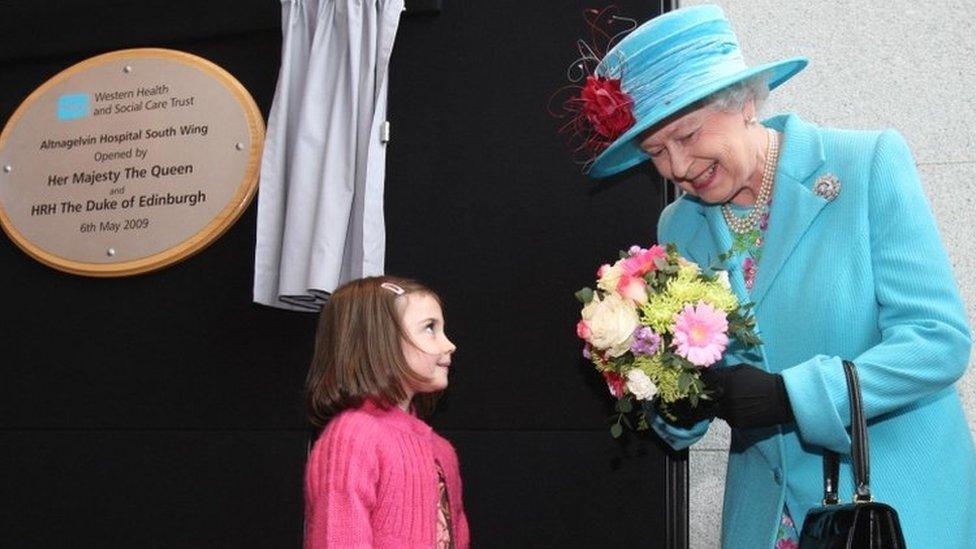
{"x":633,"y":288}
{"x":641,"y":261}
{"x":700,"y":334}
{"x":616,"y":383}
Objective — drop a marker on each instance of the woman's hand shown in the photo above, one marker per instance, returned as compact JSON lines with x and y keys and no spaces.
{"x":746,"y":396}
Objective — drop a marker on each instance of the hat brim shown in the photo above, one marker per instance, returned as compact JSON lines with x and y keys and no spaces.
{"x":626,"y":153}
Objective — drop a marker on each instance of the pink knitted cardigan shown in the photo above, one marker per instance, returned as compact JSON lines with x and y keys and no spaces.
{"x":371,"y":482}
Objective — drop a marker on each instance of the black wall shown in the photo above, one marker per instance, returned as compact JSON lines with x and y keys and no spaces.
{"x":165,"y":410}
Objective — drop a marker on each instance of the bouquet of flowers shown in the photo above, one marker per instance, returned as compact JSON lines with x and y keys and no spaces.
{"x":653,"y":322}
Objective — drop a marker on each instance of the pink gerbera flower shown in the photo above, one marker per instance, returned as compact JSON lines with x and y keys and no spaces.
{"x":700,"y":334}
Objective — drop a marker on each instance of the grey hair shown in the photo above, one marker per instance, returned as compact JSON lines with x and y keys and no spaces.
{"x":733,"y":98}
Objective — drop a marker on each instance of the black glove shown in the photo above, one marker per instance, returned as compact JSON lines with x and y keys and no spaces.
{"x":747,"y":396}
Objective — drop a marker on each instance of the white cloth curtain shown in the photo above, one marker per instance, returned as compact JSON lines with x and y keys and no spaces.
{"x":320,"y":201}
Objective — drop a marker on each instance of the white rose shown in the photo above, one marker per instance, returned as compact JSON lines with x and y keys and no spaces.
{"x":612,"y":322}
{"x":723,"y":278}
{"x":609,"y":278}
{"x":640,"y":385}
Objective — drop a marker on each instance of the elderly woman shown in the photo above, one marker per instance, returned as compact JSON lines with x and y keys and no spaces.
{"x":828,"y":232}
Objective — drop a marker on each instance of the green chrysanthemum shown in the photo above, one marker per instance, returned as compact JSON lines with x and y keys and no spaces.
{"x":694,"y":290}
{"x":686,"y":290}
{"x":659,"y":311}
{"x":688,"y":271}
{"x":720,"y":297}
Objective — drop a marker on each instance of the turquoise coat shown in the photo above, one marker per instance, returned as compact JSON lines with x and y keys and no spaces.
{"x":863,"y":277}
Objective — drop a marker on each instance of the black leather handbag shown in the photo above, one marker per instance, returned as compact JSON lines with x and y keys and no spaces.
{"x":863,"y":523}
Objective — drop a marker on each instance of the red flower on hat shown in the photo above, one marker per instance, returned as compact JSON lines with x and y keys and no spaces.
{"x":595,"y":109}
{"x":608,"y":109}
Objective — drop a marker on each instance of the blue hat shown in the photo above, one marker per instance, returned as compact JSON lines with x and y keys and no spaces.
{"x":669,"y":63}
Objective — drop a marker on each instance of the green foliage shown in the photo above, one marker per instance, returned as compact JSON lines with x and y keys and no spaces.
{"x":628,"y":415}
{"x":584,"y":296}
{"x":624,"y":405}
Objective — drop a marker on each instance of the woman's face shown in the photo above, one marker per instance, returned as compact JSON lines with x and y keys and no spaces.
{"x":425,"y":347}
{"x":709,"y":153}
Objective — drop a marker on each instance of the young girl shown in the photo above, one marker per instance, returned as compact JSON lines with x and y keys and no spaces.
{"x":378,"y":476}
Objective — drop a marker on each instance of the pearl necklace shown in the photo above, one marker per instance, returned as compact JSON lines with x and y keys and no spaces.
{"x":741,"y":225}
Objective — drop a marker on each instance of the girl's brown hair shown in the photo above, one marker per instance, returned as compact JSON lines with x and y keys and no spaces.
{"x":358,"y":354}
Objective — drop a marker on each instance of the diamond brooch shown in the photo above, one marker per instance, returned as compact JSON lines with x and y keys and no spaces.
{"x":827,"y":187}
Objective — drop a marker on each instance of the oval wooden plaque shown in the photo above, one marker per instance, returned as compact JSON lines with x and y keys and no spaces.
{"x":128,"y":162}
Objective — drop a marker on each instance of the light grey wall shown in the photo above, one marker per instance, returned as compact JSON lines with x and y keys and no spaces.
{"x":873,"y":64}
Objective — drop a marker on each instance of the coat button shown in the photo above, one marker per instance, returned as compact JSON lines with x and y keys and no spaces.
{"x":777,"y":475}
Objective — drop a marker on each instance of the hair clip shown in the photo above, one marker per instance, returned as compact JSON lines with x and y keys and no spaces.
{"x":392,"y":287}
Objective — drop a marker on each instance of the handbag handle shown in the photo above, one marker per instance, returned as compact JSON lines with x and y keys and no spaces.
{"x":859,"y":447}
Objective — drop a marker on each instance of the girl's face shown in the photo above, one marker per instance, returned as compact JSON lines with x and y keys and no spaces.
{"x":425,"y":347}
{"x":709,"y":153}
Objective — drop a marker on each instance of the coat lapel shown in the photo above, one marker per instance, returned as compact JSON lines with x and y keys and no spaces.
{"x":795,"y":205}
